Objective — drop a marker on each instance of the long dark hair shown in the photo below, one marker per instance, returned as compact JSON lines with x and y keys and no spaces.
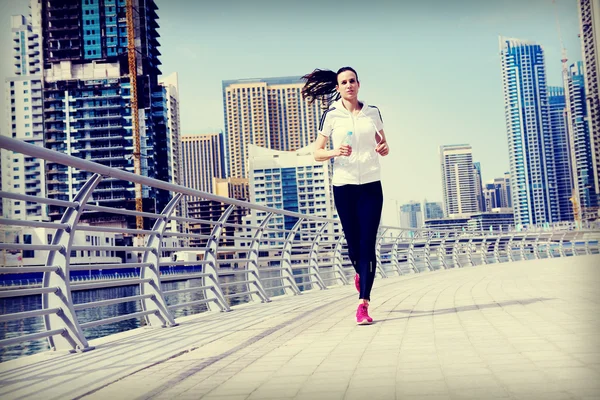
{"x":321,"y":83}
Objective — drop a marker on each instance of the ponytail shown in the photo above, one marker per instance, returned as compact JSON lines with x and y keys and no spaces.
{"x":321,"y":83}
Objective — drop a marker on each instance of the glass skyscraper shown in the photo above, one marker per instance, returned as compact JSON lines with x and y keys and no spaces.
{"x":589,"y":19}
{"x":560,"y":147}
{"x":530,"y":145}
{"x":292,"y":181}
{"x":583,"y":168}
{"x":87,"y":98}
{"x":411,"y":215}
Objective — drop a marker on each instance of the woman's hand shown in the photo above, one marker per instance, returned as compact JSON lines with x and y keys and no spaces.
{"x":345,"y":150}
{"x":382,"y":148}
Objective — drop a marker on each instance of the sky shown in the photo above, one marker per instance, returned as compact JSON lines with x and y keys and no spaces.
{"x":431,"y":67}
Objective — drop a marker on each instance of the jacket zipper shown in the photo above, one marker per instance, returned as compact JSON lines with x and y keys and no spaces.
{"x":357,"y":146}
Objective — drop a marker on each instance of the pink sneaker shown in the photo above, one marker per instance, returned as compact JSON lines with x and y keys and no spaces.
{"x":357,"y":282}
{"x":362,"y":315}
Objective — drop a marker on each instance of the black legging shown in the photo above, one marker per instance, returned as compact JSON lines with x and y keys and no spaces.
{"x":359,"y":208}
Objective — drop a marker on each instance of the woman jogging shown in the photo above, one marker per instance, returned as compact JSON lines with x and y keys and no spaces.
{"x":356,"y":130}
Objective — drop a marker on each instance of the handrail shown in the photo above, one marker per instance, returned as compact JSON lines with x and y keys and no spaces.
{"x":307,"y":255}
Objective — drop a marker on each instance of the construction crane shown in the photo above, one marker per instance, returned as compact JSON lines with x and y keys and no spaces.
{"x":135,"y":126}
{"x":574,"y":199}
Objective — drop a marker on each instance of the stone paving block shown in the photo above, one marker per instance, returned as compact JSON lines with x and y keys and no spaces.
{"x":225,"y":397}
{"x":426,"y":397}
{"x":456,"y":383}
{"x":422,"y":388}
{"x":529,"y":388}
{"x":546,"y":396}
{"x":422,"y":375}
{"x":371,"y":393}
{"x":472,"y":370}
{"x":480,"y":393}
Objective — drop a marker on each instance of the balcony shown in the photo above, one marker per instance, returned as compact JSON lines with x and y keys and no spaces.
{"x":101,"y":148}
{"x":68,"y":28}
{"x":101,"y":138}
{"x":99,"y":117}
{"x":106,"y":158}
{"x":98,"y":96}
{"x":107,"y":106}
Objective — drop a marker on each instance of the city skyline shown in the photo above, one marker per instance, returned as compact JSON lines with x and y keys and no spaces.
{"x":423,"y":106}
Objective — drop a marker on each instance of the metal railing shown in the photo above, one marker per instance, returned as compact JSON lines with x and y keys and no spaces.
{"x":260,"y":260}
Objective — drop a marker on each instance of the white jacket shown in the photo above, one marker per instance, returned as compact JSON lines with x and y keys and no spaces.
{"x":363,"y":164}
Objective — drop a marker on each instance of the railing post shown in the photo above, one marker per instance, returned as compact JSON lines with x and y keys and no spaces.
{"x":536,"y":245}
{"x":561,"y":248}
{"x":522,"y":246}
{"x":427,"y":251}
{"x":455,"y":249}
{"x":73,"y":338}
{"x":337,"y":260}
{"x":497,"y":248}
{"x":378,"y":255}
{"x":252,"y":265}
{"x":394,"y":255}
{"x":442,"y":251}
{"x":483,"y":249}
{"x":411,"y":253}
{"x":549,"y":249}
{"x":286,"y":260}
{"x":586,"y":244}
{"x":509,"y":246}
{"x":313,"y":261}
{"x":210,"y":255}
{"x":470,"y":252}
{"x":157,"y":302}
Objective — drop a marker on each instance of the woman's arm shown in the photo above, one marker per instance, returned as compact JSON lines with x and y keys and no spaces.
{"x":382,"y":146}
{"x":321,"y":154}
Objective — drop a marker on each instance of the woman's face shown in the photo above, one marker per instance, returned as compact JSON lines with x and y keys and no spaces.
{"x":347,"y":85}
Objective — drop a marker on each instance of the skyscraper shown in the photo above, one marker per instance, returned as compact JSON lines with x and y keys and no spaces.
{"x":171,"y":85}
{"x":584,"y":188}
{"x":561,"y":150}
{"x":411,"y":215}
{"x":202,"y":161}
{"x":589,"y":18}
{"x":23,"y":174}
{"x":496,"y":193}
{"x":87,"y":96}
{"x":432,"y":210}
{"x":289,"y":180}
{"x":269,"y":113}
{"x":533,"y":175}
{"x":458,"y":180}
{"x":478,"y":186}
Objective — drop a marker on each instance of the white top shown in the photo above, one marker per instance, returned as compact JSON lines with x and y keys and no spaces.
{"x":362,"y":166}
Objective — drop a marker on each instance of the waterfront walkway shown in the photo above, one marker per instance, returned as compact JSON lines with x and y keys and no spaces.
{"x":523,"y":330}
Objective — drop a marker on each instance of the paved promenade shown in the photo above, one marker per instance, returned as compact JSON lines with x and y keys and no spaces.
{"x":526,"y":330}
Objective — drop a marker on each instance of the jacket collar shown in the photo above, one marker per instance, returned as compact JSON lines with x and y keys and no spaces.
{"x":338,"y":105}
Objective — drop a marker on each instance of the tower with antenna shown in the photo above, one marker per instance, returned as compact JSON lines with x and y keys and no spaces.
{"x":575,"y":196}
